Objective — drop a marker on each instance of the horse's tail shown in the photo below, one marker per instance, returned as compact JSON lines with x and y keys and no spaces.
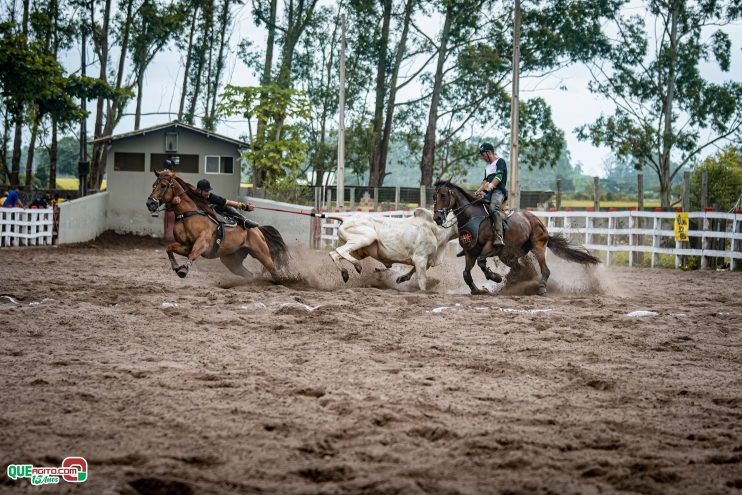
{"x":276,"y":246}
{"x":561,"y":246}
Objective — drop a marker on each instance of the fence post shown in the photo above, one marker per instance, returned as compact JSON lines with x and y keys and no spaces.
{"x":656,"y":241}
{"x":596,"y":193}
{"x":423,"y":199}
{"x":704,"y":189}
{"x":678,"y":258}
{"x":704,"y":239}
{"x":559,"y":194}
{"x":352,"y":202}
{"x":589,"y":224}
{"x":735,"y":244}
{"x":611,"y":226}
{"x":632,"y":238}
{"x":376,"y":198}
{"x":640,"y":191}
{"x":397,"y":195}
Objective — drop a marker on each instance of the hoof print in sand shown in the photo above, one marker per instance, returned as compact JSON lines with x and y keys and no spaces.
{"x":324,"y":475}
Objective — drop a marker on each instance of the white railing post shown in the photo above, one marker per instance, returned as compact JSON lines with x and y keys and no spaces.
{"x":589,"y":224}
{"x":632,"y":237}
{"x":656,"y":227}
{"x":705,"y":239}
{"x":735,"y":245}
{"x":611,"y":226}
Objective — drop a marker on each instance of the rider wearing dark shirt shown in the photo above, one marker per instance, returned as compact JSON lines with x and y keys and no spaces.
{"x":225,"y":206}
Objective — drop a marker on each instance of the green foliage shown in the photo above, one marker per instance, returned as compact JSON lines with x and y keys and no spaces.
{"x":30,"y":76}
{"x":279,"y":151}
{"x":649,"y":127}
{"x":724,"y":180}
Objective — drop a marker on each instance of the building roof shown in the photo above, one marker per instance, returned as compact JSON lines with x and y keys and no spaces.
{"x":174,"y":124}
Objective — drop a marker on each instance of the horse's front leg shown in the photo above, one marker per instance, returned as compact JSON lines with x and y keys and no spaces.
{"x":494,"y":276}
{"x":470,"y":259}
{"x":199,"y":247}
{"x":178,"y":248}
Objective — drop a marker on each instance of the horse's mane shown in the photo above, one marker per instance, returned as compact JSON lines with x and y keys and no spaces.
{"x":460,"y":189}
{"x":201,"y":203}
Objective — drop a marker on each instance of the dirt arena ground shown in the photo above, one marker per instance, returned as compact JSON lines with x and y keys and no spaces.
{"x":208,"y":385}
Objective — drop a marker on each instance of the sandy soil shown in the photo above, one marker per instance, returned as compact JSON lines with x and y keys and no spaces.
{"x":325,"y":388}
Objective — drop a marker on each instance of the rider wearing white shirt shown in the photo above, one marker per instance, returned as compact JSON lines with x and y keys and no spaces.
{"x":493,"y":188}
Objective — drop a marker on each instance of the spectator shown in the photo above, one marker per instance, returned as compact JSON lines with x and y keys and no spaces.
{"x":41,"y":201}
{"x":14,"y":199}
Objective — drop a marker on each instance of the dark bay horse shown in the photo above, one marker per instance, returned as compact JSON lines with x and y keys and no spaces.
{"x":525,"y":233}
{"x":196,"y":233}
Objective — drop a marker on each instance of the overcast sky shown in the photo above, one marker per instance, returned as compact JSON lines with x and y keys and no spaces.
{"x":571,"y":107}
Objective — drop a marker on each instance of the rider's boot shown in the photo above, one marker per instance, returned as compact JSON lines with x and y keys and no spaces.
{"x":249,"y":224}
{"x":497,"y":224}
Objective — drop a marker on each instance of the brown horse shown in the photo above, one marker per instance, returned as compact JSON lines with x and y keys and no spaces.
{"x":524,"y":233}
{"x":196,"y":232}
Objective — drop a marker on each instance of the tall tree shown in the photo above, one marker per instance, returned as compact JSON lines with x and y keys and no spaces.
{"x":155,"y":26}
{"x":100,"y":38}
{"x":666,"y":112}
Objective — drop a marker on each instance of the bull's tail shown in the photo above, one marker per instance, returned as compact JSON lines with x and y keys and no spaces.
{"x":561,"y":246}
{"x":276,"y":246}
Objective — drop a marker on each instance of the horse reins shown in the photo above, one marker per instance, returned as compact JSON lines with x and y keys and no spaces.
{"x":455,"y":211}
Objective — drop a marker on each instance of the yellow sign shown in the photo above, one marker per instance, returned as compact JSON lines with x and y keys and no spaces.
{"x":681,"y":226}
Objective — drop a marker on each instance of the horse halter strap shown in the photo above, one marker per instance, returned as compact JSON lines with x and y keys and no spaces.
{"x":171,"y":182}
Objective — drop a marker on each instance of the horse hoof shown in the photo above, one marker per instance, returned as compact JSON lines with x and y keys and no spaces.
{"x":358,"y":268}
{"x":400,"y":280}
{"x":542,"y":291}
{"x":182,"y":272}
{"x":496,"y":278}
{"x":345,"y":276}
{"x":480,"y":292}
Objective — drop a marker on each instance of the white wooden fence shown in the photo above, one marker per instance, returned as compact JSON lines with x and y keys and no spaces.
{"x":719,"y":235}
{"x":26,"y":226}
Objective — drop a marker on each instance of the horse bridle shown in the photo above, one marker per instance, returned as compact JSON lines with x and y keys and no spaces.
{"x":455,"y":211}
{"x":170,"y":184}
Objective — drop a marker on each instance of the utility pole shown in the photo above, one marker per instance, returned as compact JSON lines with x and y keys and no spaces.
{"x":83,"y":165}
{"x":514,"y":109}
{"x":341,"y":125}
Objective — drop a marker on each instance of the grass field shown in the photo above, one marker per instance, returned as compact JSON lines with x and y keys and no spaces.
{"x":73,"y":183}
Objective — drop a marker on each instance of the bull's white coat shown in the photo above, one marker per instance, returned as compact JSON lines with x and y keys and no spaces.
{"x":416,"y":241}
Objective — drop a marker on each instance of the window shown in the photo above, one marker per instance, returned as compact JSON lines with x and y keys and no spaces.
{"x":188,"y":164}
{"x":171,"y":141}
{"x":219,"y":164}
{"x":128,"y":162}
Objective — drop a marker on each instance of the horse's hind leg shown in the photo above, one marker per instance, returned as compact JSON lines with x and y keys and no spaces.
{"x":233,"y":262}
{"x":540,"y":252}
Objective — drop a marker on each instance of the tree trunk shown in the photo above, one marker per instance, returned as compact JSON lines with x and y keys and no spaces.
{"x":390,"y":104}
{"x":4,"y":147}
{"x":667,"y":135}
{"x":31,"y":151}
{"x":219,"y":66}
{"x":53,"y":156}
{"x":428,"y":158}
{"x":184,"y":91}
{"x":15,"y":164}
{"x":264,"y":80}
{"x":95,"y":177}
{"x":197,"y":76}
{"x":138,"y":111}
{"x":374,"y":178}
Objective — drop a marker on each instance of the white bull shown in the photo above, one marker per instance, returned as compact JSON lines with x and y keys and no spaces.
{"x":415,"y":241}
